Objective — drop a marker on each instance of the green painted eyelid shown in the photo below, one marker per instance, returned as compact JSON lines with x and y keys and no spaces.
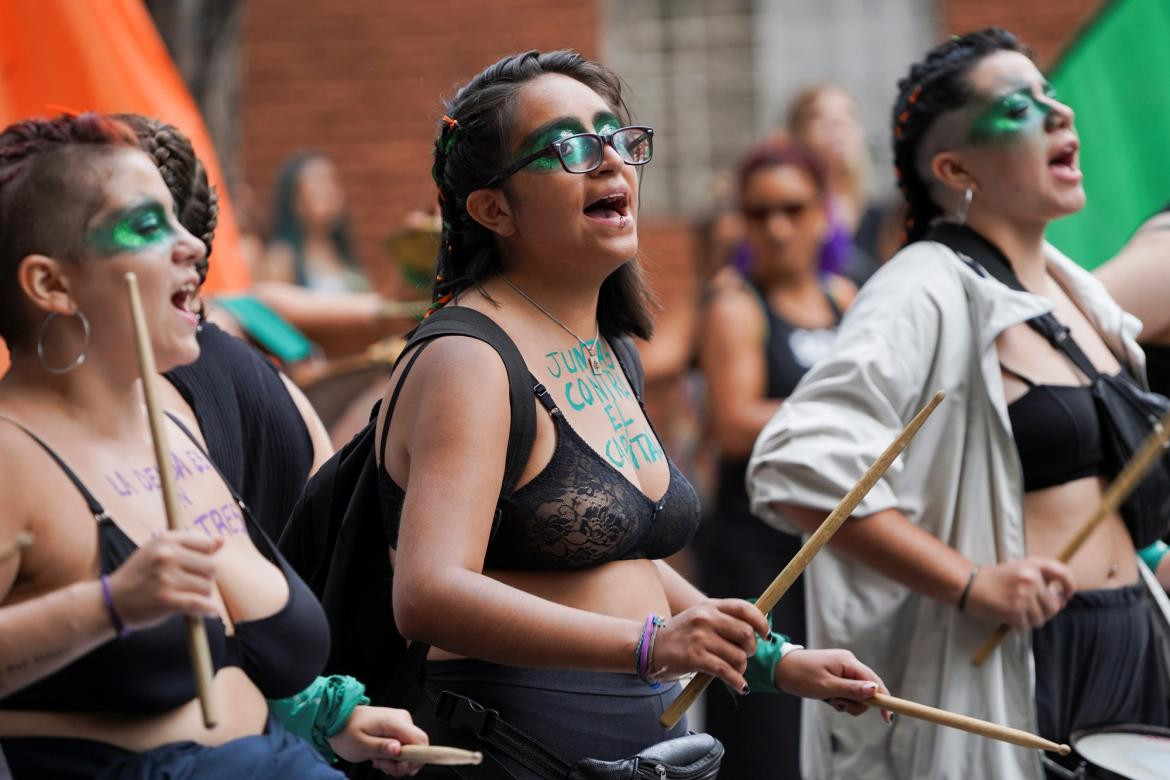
{"x":550,"y":162}
{"x":997,"y":122}
{"x":139,"y":228}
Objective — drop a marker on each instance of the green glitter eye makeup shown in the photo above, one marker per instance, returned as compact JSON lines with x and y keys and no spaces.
{"x":132,"y":230}
{"x":1010,"y":115}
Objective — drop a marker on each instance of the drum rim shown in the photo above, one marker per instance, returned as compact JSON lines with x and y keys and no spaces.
{"x":1140,"y":729}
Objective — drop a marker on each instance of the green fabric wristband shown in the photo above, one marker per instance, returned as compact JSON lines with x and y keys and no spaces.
{"x":321,"y":710}
{"x":1152,"y":556}
{"x":761,"y":668}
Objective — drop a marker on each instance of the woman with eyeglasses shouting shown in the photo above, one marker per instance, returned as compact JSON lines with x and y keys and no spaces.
{"x":762,"y":329}
{"x":553,"y":606}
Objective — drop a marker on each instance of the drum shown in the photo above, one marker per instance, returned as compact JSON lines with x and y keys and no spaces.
{"x":345,"y":389}
{"x":1124,"y":752}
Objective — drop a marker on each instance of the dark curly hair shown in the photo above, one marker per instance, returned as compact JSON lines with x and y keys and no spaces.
{"x":196,"y":200}
{"x":473,"y":144}
{"x":935,"y":86}
{"x":49,"y":189}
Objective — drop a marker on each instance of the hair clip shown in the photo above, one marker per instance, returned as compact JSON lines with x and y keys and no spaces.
{"x":450,"y":122}
{"x":914,"y":95}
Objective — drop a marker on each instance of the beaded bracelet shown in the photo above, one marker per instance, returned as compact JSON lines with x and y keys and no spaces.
{"x":120,"y":627}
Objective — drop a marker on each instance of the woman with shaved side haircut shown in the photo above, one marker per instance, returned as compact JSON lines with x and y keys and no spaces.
{"x":964,"y":532}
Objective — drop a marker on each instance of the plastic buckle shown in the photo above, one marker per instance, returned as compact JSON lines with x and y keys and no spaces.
{"x":463,"y":714}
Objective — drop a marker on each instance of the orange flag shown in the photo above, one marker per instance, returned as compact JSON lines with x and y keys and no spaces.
{"x":75,"y":55}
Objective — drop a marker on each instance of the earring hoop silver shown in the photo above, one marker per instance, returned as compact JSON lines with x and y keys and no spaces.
{"x":77,"y":361}
{"x":964,"y":206}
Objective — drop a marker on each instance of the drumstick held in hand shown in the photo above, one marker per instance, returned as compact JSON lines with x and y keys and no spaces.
{"x":1129,"y":478}
{"x":965,"y":723}
{"x":196,"y":633}
{"x":816,"y":541}
{"x":22,"y":540}
{"x":439,"y":756}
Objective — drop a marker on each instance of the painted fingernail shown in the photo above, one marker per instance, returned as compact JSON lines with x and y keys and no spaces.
{"x":746,"y":689}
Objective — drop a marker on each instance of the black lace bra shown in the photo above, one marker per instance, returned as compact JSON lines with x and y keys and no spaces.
{"x":577,"y":512}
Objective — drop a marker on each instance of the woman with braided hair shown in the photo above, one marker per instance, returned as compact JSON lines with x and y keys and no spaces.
{"x":963,"y":534}
{"x":95,"y":678}
{"x":552,"y":606}
{"x":260,"y":429}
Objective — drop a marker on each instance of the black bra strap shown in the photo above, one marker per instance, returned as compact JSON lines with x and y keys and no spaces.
{"x":1017,"y":375}
{"x":545,"y":398}
{"x":231,"y":488}
{"x":95,"y":506}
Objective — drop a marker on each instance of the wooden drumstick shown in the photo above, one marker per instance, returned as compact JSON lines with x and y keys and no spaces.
{"x":439,"y":756}
{"x":816,"y":541}
{"x":1129,"y":478}
{"x":22,"y":540}
{"x":196,"y":633}
{"x":965,"y":723}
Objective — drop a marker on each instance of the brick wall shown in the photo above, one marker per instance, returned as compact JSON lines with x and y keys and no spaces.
{"x":1045,"y":25}
{"x":361,"y":81}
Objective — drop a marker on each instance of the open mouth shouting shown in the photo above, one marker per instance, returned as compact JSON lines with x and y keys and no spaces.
{"x":612,"y":209}
{"x":1063,"y":163}
{"x":182,"y":299}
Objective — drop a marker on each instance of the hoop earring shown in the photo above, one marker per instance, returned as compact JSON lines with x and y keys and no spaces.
{"x":964,"y":206}
{"x":77,"y":361}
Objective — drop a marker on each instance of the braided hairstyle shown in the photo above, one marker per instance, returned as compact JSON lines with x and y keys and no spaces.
{"x":49,"y":189}
{"x":473,"y":144}
{"x":935,"y":86}
{"x":196,"y":201}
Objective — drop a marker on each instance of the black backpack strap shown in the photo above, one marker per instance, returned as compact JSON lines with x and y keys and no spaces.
{"x":988,"y":260}
{"x":461,"y":321}
{"x":394,"y":397}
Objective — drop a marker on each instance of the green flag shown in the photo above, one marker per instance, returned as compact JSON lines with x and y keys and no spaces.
{"x":1116,"y":76}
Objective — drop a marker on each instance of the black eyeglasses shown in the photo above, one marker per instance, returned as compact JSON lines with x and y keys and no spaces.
{"x":584,"y":152}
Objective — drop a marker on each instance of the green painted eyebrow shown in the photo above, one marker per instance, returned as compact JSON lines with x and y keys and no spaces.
{"x":603,"y":120}
{"x":550,"y":131}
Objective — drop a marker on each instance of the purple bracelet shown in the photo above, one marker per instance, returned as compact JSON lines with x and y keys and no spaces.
{"x":644,"y":652}
{"x":120,"y":627}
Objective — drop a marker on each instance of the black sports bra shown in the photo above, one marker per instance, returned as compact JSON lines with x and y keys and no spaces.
{"x":579,"y":511}
{"x":149,"y":671}
{"x":1057,"y":433}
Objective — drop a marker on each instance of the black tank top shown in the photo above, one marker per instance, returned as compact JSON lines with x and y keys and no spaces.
{"x":149,"y":672}
{"x":245,"y":413}
{"x":789,"y":352}
{"x":578,"y":511}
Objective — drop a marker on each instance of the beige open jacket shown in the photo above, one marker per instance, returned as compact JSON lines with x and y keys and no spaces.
{"x":926,"y":321}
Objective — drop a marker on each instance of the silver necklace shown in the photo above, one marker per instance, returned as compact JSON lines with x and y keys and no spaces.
{"x":590,"y":347}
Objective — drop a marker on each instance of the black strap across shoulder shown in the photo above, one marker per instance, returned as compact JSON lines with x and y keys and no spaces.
{"x":461,"y":321}
{"x":988,"y":260}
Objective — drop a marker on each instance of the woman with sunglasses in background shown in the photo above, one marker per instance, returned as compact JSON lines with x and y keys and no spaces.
{"x":542,"y":614}
{"x":761,"y":331}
